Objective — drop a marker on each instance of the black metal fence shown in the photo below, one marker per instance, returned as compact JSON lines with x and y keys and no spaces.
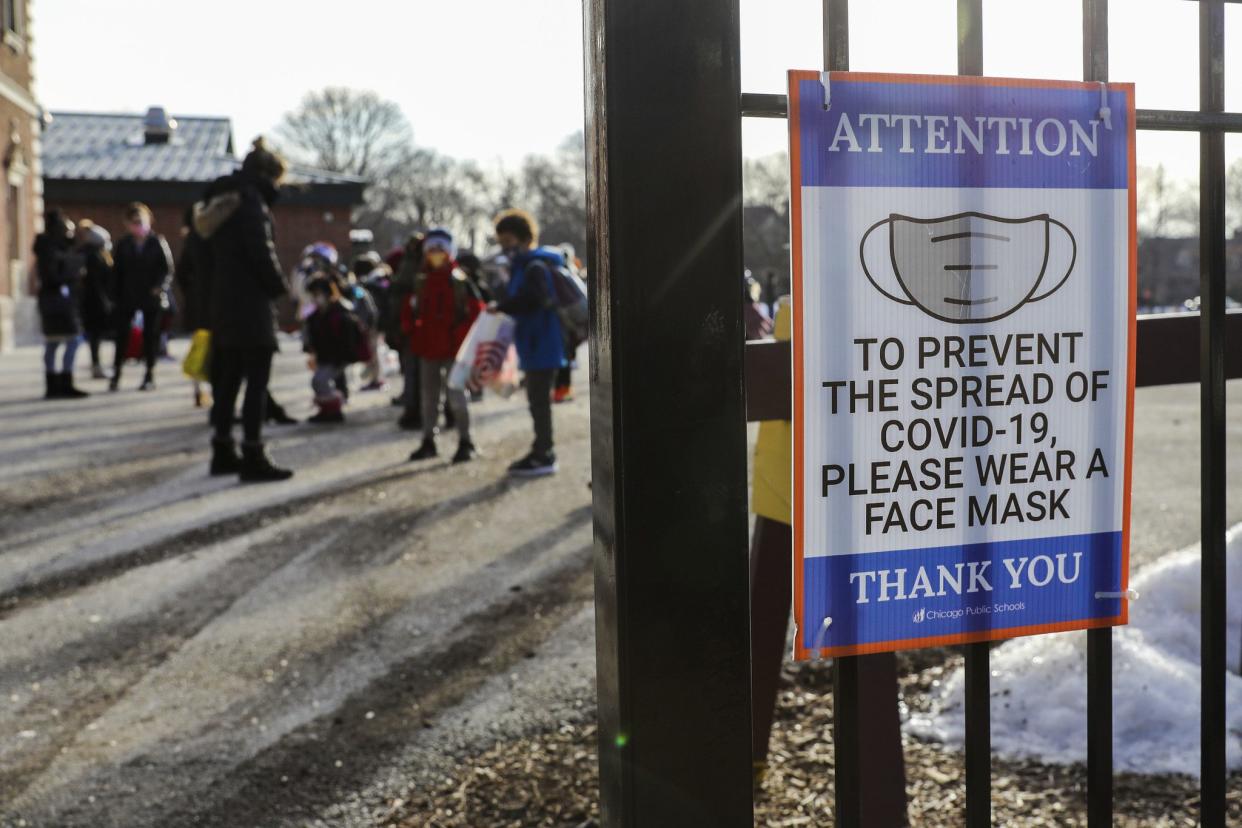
{"x":1166,"y":354}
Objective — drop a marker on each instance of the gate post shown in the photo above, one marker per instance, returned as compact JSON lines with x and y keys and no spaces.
{"x":668,"y":436}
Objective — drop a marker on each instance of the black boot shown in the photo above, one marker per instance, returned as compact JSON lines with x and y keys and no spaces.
{"x":115,"y":382}
{"x":277,"y":415}
{"x":148,"y":382}
{"x":53,"y":386}
{"x":67,"y":389}
{"x":224,"y":457}
{"x":257,"y":467}
{"x":465,"y":452}
{"x":426,"y":451}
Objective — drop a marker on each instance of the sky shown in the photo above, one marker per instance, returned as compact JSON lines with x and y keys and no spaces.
{"x":469,"y":73}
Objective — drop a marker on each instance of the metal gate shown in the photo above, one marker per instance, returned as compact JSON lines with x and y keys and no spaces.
{"x":669,"y":68}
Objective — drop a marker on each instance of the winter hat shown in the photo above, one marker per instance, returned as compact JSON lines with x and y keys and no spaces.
{"x":96,"y":236}
{"x":440,"y":239}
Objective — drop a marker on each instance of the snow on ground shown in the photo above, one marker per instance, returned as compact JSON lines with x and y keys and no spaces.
{"x":1039,"y":684}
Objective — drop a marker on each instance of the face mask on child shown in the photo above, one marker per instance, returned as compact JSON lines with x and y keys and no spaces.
{"x":436,"y":259}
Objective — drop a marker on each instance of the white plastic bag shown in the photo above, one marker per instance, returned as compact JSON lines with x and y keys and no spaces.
{"x":483,"y":355}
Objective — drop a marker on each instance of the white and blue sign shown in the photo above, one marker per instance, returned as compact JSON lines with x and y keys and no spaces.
{"x":964,"y":307}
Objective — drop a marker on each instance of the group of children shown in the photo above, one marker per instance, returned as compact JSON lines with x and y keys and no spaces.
{"x":422,"y":301}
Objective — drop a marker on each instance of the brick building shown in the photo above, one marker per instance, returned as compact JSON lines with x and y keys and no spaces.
{"x":96,"y":164}
{"x":21,"y":206}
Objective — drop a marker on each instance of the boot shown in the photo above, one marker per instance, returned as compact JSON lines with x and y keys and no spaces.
{"x":148,"y":382}
{"x":67,"y":389}
{"x":277,"y":415}
{"x":52,"y":385}
{"x":426,"y":451}
{"x":257,"y":467}
{"x":465,"y":452}
{"x":115,"y":382}
{"x":224,"y":457}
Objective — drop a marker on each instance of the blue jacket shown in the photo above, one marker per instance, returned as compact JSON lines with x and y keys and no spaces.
{"x":540,"y":343}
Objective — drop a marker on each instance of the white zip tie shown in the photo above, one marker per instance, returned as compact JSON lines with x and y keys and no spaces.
{"x":819,"y":637}
{"x":1129,"y":594}
{"x":1106,"y":114}
{"x":827,"y":84}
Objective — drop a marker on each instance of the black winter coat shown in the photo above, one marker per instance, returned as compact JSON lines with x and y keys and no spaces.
{"x":60,"y":273}
{"x":246,"y":274}
{"x":333,"y":335}
{"x":96,"y":289}
{"x":140,"y":270}
{"x":194,"y":271}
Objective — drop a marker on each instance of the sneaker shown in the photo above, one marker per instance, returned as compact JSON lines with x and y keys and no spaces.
{"x":562,"y":394}
{"x":534,"y":465}
{"x":465,"y":452}
{"x":426,"y":451}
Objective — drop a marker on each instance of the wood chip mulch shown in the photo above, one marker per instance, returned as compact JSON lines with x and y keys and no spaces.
{"x":549,"y":779}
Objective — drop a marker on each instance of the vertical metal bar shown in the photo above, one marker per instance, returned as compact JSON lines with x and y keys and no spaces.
{"x":978,"y":662}
{"x":1099,"y":642}
{"x":1100,"y":728}
{"x":970,"y":37}
{"x":1212,"y":411}
{"x":836,"y":35}
{"x":870,"y":767}
{"x":978,"y":736}
{"x":672,"y":569}
{"x":845,"y":724}
{"x":846,"y":742}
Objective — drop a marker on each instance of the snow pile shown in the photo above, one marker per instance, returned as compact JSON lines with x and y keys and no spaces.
{"x":1039,"y":684}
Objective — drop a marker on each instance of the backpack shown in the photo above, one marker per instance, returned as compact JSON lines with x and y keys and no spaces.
{"x":569,"y":299}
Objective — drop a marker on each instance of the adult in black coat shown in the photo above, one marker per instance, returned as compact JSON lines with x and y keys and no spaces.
{"x":235,"y":220}
{"x":59,"y":270}
{"x":95,"y":247}
{"x":142,"y":273}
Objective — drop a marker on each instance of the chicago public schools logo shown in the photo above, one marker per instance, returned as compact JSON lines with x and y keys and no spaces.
{"x":968,"y":267}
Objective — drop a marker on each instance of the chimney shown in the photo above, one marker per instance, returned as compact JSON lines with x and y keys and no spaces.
{"x":157,"y":127}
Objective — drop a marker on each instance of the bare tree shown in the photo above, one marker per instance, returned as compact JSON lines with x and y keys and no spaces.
{"x":1166,"y":206}
{"x":347,"y":131}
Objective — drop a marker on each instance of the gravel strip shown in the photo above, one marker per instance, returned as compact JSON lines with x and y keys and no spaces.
{"x":549,"y":779}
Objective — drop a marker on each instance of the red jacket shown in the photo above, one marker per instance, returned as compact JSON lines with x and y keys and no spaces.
{"x":445,"y":308}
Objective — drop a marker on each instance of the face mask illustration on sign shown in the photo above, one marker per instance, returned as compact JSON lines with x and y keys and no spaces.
{"x":970,"y":267}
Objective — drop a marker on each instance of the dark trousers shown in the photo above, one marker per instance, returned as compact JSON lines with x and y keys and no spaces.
{"x":151,"y":314}
{"x":230,"y":367}
{"x":539,"y":393}
{"x":92,"y":339}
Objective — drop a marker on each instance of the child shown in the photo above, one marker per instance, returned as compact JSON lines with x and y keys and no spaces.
{"x":333,"y":339}
{"x":445,"y":307}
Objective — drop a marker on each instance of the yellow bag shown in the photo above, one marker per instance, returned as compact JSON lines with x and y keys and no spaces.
{"x":197,"y":364}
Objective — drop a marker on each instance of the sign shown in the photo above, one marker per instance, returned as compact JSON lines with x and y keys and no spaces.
{"x":964,"y":312}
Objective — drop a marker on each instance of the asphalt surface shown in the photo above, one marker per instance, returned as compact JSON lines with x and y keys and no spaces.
{"x":181,"y":650}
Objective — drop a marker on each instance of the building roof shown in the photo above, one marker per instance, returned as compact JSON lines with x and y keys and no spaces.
{"x":87,"y":146}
